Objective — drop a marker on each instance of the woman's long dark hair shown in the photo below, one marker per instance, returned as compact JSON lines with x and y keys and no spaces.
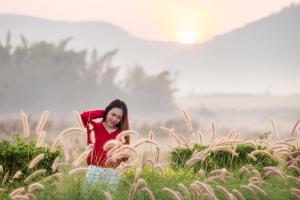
{"x":123,"y":125}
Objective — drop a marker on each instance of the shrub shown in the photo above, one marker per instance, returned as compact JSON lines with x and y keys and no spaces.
{"x":220,"y":159}
{"x":16,"y":156}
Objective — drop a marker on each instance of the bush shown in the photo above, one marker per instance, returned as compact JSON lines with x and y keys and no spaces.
{"x":16,"y":156}
{"x":220,"y":159}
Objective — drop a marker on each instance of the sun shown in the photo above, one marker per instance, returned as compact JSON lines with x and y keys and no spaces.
{"x":187,"y":24}
{"x":187,"y":36}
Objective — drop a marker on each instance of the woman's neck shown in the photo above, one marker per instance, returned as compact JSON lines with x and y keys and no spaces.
{"x":109,"y":128}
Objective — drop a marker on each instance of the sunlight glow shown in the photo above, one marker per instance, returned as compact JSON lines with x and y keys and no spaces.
{"x":187,"y":36}
{"x":188,"y":24}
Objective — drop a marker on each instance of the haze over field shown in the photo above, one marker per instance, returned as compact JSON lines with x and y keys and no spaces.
{"x":240,"y":74}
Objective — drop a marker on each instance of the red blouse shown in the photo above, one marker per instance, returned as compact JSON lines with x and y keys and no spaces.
{"x":98,"y":157}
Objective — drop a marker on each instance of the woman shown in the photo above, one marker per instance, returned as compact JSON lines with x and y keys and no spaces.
{"x":114,"y":121}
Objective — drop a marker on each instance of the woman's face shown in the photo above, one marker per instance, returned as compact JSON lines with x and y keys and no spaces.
{"x":114,"y":116}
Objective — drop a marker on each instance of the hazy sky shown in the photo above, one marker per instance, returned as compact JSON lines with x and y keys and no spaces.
{"x":166,"y":20}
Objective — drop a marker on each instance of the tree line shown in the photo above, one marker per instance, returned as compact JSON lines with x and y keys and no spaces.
{"x":43,"y":75}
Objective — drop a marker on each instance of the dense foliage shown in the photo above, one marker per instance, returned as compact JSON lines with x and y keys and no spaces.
{"x":17,"y":156}
{"x":220,"y":159}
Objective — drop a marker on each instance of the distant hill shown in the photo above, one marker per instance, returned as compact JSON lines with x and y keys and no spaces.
{"x":261,"y":56}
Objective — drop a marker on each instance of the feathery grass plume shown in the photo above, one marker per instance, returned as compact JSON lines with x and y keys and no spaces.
{"x":41,"y":138}
{"x":290,"y":140}
{"x":151,"y":142}
{"x":1,"y":169}
{"x":31,"y":196}
{"x":17,"y":174}
{"x":55,"y":144}
{"x":66,"y":153}
{"x":17,"y":191}
{"x":160,"y":167}
{"x":202,"y":153}
{"x":249,"y":142}
{"x":200,"y":135}
{"x":196,"y":190}
{"x":71,"y":130}
{"x":294,"y":130}
{"x":225,"y":192}
{"x":184,"y":190}
{"x":148,"y":162}
{"x":172,"y":135}
{"x":35,"y":186}
{"x":201,"y":172}
{"x":254,"y":187}
{"x":293,"y":179}
{"x":244,"y":170}
{"x":172,"y":193}
{"x":226,"y":149}
{"x":238,"y":194}
{"x":79,"y":170}
{"x":126,"y":148}
{"x":252,"y":157}
{"x":257,"y":174}
{"x":246,"y":187}
{"x":213,"y":132}
{"x":187,"y":120}
{"x":36,"y":160}
{"x":35,"y":174}
{"x":122,"y":155}
{"x":230,"y":134}
{"x":274,"y":127}
{"x":281,"y":151}
{"x":232,"y":196}
{"x":132,"y":191}
{"x":42,"y":122}
{"x":295,"y":190}
{"x":111,"y":143}
{"x":236,"y":136}
{"x":266,"y":143}
{"x":123,"y":167}
{"x":78,"y":118}
{"x":198,"y":156}
{"x":273,"y":170}
{"x":212,"y":179}
{"x":148,"y":193}
{"x":107,"y":196}
{"x":208,"y":189}
{"x":179,"y":194}
{"x":126,"y":133}
{"x":55,"y":164}
{"x":294,"y":168}
{"x":222,"y":172}
{"x":111,"y":151}
{"x":25,"y":124}
{"x":192,"y":161}
{"x":295,"y":195}
{"x":254,"y":180}
{"x":82,"y":156}
{"x":141,"y":183}
{"x":53,"y":176}
{"x":20,"y":197}
{"x":5,"y":178}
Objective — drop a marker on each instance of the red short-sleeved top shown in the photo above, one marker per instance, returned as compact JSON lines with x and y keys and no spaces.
{"x":98,"y":157}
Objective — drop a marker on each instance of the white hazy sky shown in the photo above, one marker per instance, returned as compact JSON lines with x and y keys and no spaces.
{"x":166,"y":20}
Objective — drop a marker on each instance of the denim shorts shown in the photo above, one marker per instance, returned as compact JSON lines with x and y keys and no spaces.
{"x":108,"y":176}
